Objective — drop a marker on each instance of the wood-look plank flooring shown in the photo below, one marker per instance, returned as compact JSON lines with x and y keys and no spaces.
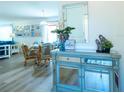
{"x":15,"y":77}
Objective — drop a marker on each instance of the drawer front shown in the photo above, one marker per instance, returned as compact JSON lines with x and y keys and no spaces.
{"x":68,"y":59}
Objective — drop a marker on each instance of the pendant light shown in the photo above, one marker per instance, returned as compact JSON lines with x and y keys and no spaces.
{"x":43,"y":22}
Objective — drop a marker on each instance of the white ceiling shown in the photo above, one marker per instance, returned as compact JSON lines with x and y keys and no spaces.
{"x":10,"y":10}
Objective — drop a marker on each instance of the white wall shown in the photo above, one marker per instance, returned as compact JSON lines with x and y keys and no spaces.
{"x":107,"y":18}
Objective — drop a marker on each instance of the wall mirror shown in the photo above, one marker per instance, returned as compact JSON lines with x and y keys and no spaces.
{"x":76,"y":15}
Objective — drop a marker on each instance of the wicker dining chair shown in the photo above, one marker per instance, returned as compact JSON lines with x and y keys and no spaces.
{"x":27,"y":54}
{"x":39,"y":54}
{"x":46,"y":53}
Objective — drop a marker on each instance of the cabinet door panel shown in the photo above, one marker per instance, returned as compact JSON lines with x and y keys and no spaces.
{"x":96,"y":81}
{"x":69,"y":76}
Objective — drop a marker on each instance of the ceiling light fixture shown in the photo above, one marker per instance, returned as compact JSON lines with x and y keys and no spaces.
{"x":43,"y":22}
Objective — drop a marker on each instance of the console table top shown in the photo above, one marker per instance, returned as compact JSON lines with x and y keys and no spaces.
{"x":93,"y":53}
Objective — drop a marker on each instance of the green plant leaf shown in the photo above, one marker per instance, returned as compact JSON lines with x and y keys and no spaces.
{"x":66,"y":30}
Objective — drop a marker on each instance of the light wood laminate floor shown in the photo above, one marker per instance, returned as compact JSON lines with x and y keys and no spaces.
{"x":15,"y":77}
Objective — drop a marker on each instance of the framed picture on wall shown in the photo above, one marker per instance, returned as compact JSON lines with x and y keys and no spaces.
{"x":70,"y":44}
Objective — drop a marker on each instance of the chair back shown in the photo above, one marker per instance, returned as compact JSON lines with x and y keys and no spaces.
{"x":39,"y":53}
{"x":25,"y":50}
{"x":47,"y":50}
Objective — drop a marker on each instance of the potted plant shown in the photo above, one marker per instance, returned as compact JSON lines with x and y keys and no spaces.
{"x":65,"y":31}
{"x":63,"y":35}
{"x":106,"y":46}
{"x":58,"y":31}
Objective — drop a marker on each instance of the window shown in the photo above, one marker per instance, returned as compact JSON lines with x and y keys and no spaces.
{"x":5,"y":33}
{"x":48,"y":36}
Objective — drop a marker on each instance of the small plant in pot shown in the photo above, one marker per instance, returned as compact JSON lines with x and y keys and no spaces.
{"x":106,"y":46}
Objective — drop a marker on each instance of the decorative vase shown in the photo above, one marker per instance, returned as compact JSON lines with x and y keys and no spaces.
{"x":62,"y":40}
{"x":62,"y":46}
{"x":106,"y":50}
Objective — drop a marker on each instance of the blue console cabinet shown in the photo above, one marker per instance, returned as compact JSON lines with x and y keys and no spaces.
{"x":85,"y":71}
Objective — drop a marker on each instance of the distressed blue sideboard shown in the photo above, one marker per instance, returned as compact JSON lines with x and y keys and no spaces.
{"x":85,"y":71}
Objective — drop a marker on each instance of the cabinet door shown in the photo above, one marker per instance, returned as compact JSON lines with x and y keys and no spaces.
{"x":69,"y":78}
{"x":95,"y":80}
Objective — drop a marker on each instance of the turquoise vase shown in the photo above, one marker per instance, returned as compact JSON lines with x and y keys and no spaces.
{"x":62,"y":46}
{"x":62,"y":43}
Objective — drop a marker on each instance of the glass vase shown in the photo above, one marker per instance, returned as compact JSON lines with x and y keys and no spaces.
{"x":62,"y":42}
